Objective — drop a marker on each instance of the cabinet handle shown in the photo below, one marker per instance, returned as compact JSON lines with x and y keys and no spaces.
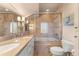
{"x":75,"y":27}
{"x":75,"y":36}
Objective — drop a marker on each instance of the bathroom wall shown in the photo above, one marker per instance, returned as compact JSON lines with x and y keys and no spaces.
{"x":69,"y":32}
{"x":49,"y":19}
{"x":44,"y":18}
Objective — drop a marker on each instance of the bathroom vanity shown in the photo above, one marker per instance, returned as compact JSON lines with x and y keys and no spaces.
{"x":28,"y":50}
{"x":22,"y":46}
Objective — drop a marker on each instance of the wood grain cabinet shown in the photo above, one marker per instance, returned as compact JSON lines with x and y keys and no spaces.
{"x":28,"y":50}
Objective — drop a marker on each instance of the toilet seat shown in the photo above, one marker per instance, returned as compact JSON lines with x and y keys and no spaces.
{"x":57,"y":51}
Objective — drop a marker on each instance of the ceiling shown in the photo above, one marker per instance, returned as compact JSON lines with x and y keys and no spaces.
{"x":23,"y":9}
{"x":51,"y":6}
{"x":26,"y":9}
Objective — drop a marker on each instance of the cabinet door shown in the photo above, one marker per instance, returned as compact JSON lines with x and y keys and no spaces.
{"x":31,"y":48}
{"x":28,"y":50}
{"x":24,"y":52}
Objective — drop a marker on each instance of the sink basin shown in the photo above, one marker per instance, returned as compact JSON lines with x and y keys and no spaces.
{"x":8,"y":47}
{"x":28,"y":36}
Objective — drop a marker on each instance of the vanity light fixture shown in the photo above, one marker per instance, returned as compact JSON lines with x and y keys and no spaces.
{"x":27,"y":21}
{"x":23,"y":19}
{"x":18,"y":18}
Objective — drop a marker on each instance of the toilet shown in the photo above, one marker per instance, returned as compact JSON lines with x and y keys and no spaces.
{"x":58,"y":51}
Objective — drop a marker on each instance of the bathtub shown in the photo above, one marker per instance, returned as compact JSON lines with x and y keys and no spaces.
{"x":46,"y":39}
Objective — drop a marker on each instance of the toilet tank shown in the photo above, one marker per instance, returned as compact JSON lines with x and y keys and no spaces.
{"x":68,"y":46}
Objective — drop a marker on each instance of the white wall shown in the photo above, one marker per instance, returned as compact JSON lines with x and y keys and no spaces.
{"x":68,"y":34}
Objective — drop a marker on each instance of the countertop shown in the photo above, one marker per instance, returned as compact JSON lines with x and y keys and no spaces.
{"x":23,"y":42}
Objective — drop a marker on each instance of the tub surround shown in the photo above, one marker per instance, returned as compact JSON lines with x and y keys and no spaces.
{"x":23,"y":41}
{"x":51,"y":22}
{"x":42,"y":46}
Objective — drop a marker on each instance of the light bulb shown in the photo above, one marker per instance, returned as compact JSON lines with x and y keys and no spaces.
{"x":27,"y":21}
{"x":23,"y":18}
{"x":18,"y":18}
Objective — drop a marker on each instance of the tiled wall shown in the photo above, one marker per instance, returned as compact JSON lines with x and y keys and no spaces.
{"x":54,"y":28}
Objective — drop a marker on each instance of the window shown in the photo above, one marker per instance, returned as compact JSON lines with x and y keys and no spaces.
{"x":44,"y":27}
